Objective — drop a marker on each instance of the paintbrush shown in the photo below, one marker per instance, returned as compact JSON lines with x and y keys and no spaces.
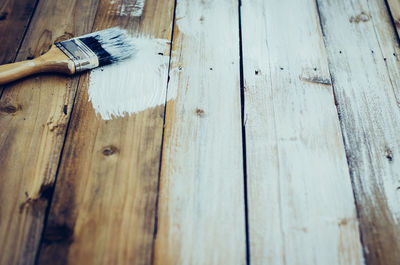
{"x":74,"y":55}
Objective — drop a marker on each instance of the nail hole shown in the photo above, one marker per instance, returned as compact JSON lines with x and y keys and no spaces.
{"x":389,"y":154}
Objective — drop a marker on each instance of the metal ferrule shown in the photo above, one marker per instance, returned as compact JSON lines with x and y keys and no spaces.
{"x":82,"y":56}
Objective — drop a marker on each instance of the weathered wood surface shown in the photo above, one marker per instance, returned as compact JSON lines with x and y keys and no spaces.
{"x":104,"y":206}
{"x":363,"y":60}
{"x":112,"y":205}
{"x":201,"y":218}
{"x":300,"y":202}
{"x":14,"y":19}
{"x":33,"y":118}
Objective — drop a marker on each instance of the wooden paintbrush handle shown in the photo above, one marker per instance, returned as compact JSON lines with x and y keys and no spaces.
{"x":52,"y":61}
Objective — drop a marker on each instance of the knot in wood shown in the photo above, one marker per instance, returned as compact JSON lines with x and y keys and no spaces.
{"x":10,"y":109}
{"x":110,"y":150}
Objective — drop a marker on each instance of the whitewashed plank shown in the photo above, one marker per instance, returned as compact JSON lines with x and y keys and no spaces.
{"x":201,"y":201}
{"x":301,"y":205}
{"x":363,"y":59}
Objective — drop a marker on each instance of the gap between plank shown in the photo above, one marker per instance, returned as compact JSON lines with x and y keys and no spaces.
{"x":162,"y":137}
{"x":22,"y":40}
{"x":396,"y":36}
{"x":342,"y":134}
{"x":242,"y":101}
{"x":50,"y":199}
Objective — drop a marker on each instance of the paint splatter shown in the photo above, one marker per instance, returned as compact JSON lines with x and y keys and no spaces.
{"x":132,"y":8}
{"x":133,"y":85}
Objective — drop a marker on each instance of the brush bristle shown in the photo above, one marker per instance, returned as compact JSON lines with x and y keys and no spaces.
{"x":110,"y":45}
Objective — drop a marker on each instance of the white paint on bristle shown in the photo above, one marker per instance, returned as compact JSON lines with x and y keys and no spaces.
{"x":132,"y":8}
{"x":133,"y":85}
{"x":116,"y":42}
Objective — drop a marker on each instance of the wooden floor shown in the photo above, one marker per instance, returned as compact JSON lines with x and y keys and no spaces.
{"x":278,"y":143}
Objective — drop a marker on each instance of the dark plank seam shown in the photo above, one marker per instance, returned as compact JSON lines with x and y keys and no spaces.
{"x":242,"y":102}
{"x":397,"y":43}
{"x":50,"y":198}
{"x":22,"y":39}
{"x":60,"y":158}
{"x":321,"y":23}
{"x":390,"y":15}
{"x":162,"y":137}
{"x":394,"y":35}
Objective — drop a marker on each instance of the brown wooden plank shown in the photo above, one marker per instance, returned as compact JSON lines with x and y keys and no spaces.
{"x":104,"y":205}
{"x":33,"y":118}
{"x":14,"y":18}
{"x":363,"y":60}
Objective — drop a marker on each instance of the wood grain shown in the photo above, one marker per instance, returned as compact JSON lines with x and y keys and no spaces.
{"x":14,"y":18}
{"x":363,"y":60}
{"x":33,"y":118}
{"x":301,"y":206}
{"x":201,"y":201}
{"x":104,"y":205}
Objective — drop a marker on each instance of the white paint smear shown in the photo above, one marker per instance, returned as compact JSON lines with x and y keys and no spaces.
{"x":133,"y":8}
{"x":133,"y":85}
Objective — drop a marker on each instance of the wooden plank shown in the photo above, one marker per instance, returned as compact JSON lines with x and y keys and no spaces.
{"x":201,"y":201}
{"x":363,"y":60}
{"x":33,"y":118}
{"x":301,"y":207}
{"x":14,"y":19}
{"x":104,"y":205}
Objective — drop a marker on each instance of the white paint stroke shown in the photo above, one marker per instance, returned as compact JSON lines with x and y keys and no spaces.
{"x":132,"y":8}
{"x":133,"y":85}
